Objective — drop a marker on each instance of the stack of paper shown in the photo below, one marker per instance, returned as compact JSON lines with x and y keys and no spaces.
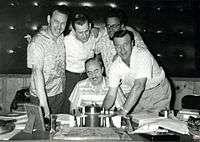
{"x":145,"y":118}
{"x":168,"y":124}
{"x":174,"y":125}
{"x":66,"y":119}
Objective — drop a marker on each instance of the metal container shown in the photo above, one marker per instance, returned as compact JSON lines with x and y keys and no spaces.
{"x":92,"y":119}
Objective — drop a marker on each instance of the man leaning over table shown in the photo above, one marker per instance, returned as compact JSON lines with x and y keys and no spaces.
{"x":114,"y":21}
{"x":46,"y":58}
{"x":139,"y":76}
{"x":79,"y":44}
{"x":93,"y":89}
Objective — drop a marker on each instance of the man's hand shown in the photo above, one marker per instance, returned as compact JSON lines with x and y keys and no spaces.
{"x":121,"y":112}
{"x":46,"y":111}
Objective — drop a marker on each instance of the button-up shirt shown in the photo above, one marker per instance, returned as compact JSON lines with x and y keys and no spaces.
{"x":142,"y":65}
{"x":49,"y":54}
{"x":78,"y":52}
{"x":106,"y":47}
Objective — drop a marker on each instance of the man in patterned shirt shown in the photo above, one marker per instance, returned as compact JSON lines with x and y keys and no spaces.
{"x":93,"y":89}
{"x":46,"y":58}
{"x":114,"y":22}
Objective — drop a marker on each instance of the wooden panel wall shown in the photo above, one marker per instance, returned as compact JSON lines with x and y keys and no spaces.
{"x":9,"y":84}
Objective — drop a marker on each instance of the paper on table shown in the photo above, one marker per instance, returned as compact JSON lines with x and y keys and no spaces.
{"x":66,"y":119}
{"x":145,"y":118}
{"x":150,"y":127}
{"x":117,"y":121}
{"x":169,"y":124}
{"x":174,"y":125}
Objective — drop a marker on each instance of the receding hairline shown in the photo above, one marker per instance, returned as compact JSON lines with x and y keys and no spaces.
{"x":60,"y":13}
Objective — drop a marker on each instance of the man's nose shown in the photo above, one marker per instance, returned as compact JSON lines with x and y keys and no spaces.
{"x":84,"y":35}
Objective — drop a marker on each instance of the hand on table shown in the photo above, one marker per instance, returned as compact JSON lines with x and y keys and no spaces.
{"x":121,"y":112}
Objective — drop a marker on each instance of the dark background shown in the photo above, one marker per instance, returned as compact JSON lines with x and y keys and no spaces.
{"x":170,"y":28}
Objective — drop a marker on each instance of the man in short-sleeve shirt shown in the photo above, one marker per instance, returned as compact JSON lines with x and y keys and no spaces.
{"x":46,"y":58}
{"x":138,"y":74}
{"x":93,"y":89}
{"x":79,"y":46}
{"x":114,"y":21}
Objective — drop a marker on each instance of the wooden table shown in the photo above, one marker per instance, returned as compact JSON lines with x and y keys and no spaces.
{"x":46,"y":137}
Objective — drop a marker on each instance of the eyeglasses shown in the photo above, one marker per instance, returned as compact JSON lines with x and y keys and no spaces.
{"x":90,"y":73}
{"x":114,"y":26}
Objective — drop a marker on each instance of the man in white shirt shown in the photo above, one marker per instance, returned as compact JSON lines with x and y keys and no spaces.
{"x":136,"y":68}
{"x":114,"y":21}
{"x":79,"y":46}
{"x":93,"y":89}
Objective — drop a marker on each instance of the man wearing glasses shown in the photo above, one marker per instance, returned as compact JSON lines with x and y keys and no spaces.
{"x":93,"y":89}
{"x":79,"y":44}
{"x":114,"y":21}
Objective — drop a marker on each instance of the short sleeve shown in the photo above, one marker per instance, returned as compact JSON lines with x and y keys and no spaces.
{"x":144,"y":66}
{"x":35,"y":55}
{"x":114,"y":76}
{"x":75,"y":97}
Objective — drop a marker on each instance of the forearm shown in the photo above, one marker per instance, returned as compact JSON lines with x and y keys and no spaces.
{"x":108,"y":102}
{"x":40,"y":86}
{"x":132,"y":99}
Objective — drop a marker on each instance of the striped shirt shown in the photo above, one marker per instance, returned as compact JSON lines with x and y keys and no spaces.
{"x":85,"y":94}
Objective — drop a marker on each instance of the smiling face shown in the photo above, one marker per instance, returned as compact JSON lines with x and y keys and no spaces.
{"x":94,"y":71}
{"x":112,"y":25}
{"x":57,"y":23}
{"x":82,"y":32}
{"x":123,"y":46}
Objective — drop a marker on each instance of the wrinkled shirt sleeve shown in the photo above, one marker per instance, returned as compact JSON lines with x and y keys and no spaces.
{"x":35,"y":55}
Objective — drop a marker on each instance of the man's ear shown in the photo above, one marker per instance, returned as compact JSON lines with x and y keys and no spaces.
{"x":102,"y":70}
{"x":133,"y":42}
{"x":90,"y":25}
{"x":48,"y":19}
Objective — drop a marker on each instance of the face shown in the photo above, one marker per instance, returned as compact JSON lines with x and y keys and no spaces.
{"x":57,"y":23}
{"x":82,"y":32}
{"x":112,"y":25}
{"x":123,"y":46}
{"x":94,"y":72}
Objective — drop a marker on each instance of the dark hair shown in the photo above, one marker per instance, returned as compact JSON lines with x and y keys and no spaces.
{"x":94,"y":59}
{"x":60,"y":8}
{"x":122,"y":33}
{"x":118,"y":13}
{"x":79,"y":19}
